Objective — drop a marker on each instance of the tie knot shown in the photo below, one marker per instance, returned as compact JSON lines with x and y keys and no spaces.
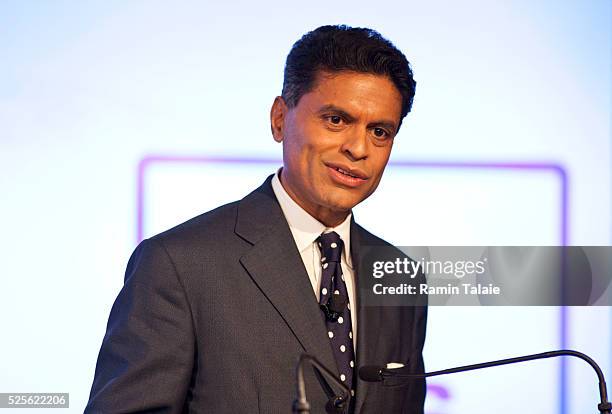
{"x":331,"y":246}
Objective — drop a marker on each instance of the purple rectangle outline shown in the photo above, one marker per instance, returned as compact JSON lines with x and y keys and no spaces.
{"x":556,"y":168}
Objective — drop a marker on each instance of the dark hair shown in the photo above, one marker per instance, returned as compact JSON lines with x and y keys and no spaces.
{"x":338,"y":48}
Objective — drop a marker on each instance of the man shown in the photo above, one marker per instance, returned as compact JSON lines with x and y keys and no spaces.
{"x":215,"y":312}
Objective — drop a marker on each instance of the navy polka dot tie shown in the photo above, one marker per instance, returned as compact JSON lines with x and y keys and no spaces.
{"x":334,"y":302}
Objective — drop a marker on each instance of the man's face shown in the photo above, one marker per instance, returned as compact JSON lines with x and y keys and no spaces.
{"x":337,"y":141}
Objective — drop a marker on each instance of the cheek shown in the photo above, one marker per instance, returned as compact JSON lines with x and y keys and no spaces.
{"x":294,"y":148}
{"x":380,"y":164}
{"x":381,"y":159}
{"x":299,"y":139}
{"x":300,"y":156}
{"x":309,"y":149}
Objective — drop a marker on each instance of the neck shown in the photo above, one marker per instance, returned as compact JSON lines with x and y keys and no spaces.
{"x":327,"y":216}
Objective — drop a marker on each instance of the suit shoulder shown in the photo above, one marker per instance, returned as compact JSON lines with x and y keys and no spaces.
{"x":212,"y":225}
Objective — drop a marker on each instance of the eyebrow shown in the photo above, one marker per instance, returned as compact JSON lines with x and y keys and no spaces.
{"x":336,"y":109}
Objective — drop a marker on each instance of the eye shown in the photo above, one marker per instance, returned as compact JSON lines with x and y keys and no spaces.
{"x":380,"y":133}
{"x":335,"y":119}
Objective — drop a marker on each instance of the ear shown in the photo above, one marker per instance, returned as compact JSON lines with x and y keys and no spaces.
{"x":278,"y":113}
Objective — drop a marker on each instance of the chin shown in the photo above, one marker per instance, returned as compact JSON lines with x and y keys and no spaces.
{"x":340,"y":199}
{"x":343,"y":204}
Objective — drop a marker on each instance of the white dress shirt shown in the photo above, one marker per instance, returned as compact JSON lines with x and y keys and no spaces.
{"x":306,"y":229}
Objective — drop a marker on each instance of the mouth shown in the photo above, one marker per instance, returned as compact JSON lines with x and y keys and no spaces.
{"x":344,"y":176}
{"x":346,"y":172}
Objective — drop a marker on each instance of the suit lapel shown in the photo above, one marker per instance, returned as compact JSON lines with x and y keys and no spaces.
{"x":276,"y":267}
{"x":368,"y":317}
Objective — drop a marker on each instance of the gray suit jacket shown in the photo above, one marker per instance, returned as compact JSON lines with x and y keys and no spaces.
{"x":215,"y":312}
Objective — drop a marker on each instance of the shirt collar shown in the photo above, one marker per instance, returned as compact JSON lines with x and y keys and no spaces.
{"x":304,"y":227}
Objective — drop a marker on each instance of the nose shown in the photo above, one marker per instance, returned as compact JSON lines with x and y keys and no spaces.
{"x":355,"y":145}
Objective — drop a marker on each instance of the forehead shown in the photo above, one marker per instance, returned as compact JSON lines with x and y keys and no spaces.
{"x":355,"y":92}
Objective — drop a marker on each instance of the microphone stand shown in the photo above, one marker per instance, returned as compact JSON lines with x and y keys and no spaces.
{"x":384,"y":374}
{"x":336,"y":404}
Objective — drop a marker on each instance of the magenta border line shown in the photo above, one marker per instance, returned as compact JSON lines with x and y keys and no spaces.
{"x":541,"y":166}
{"x":146,"y":161}
{"x":556,"y":168}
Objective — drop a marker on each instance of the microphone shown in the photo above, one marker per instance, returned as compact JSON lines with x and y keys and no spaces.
{"x":371,"y":373}
{"x":334,"y":307}
{"x":375,"y":373}
{"x":337,"y":404}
